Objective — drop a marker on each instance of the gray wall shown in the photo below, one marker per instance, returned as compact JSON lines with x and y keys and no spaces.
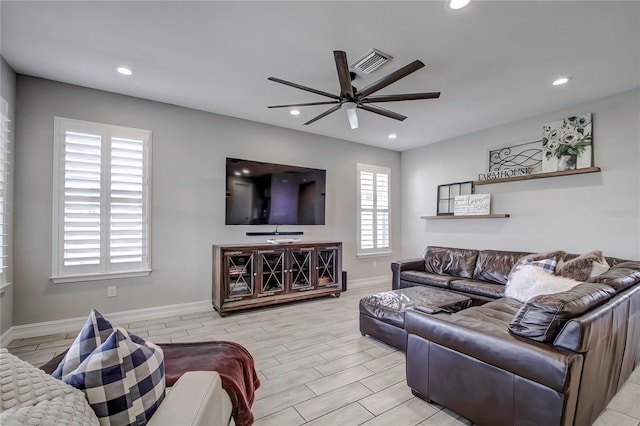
{"x":188,"y":197}
{"x":8,"y":92}
{"x":575,"y":213}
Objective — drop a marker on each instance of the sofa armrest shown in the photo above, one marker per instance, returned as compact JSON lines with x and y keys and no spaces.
{"x":196,"y":399}
{"x":398,"y":266}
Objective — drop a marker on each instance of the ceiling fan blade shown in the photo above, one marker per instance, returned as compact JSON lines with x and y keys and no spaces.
{"x":382,"y":111}
{"x":405,"y":97}
{"x":308,"y":89}
{"x":343,"y":73}
{"x":391,"y":78}
{"x":306,"y":104}
{"x":324,"y":114}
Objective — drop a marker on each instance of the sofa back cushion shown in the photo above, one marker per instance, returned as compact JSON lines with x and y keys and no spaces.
{"x":495,"y":265}
{"x":542,"y":317}
{"x":620,"y":277}
{"x":450,"y":261}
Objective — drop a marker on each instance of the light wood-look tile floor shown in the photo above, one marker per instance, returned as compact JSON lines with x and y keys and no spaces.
{"x":314,"y":365}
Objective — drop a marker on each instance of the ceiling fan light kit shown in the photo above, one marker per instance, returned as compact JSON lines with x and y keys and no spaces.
{"x":351,"y":114}
{"x":353,"y":98}
{"x":458,"y":4}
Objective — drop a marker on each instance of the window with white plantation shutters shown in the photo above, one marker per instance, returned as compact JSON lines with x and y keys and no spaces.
{"x":5,"y":216}
{"x":373,"y":210}
{"x":101,"y":212}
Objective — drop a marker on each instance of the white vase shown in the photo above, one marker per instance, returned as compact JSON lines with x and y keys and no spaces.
{"x":567,"y":162}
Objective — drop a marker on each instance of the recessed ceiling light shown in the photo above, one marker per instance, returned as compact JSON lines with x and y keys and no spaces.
{"x":124,"y":71}
{"x":237,"y":173}
{"x":458,"y":4}
{"x":245,"y":171}
{"x":560,"y":81}
{"x":393,"y":136}
{"x":294,"y":112}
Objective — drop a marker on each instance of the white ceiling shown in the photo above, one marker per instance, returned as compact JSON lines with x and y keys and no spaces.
{"x":493,"y":61}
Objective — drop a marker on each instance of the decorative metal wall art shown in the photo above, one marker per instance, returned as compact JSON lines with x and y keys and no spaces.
{"x":515,"y":160}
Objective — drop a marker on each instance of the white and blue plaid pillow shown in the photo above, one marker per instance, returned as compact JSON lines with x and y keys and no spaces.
{"x":548,"y":265}
{"x":93,"y":333}
{"x":123,"y":379}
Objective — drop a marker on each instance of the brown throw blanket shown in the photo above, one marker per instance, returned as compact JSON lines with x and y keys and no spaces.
{"x":231,"y":360}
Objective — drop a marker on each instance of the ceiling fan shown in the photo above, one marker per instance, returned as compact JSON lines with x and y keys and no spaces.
{"x":352,"y":98}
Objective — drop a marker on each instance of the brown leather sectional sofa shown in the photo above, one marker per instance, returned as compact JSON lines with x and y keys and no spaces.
{"x":555,"y":360}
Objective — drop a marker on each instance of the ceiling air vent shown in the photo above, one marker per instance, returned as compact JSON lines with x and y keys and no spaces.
{"x":371,"y":61}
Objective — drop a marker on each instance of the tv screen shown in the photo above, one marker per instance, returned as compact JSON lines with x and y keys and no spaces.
{"x":276,"y":194}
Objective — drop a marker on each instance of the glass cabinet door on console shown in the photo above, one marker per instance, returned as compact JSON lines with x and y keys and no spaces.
{"x":327,"y":266}
{"x":272,"y":272}
{"x":300,"y":269}
{"x":240,"y":274}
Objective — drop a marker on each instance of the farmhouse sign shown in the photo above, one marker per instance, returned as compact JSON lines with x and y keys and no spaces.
{"x":474,"y":204}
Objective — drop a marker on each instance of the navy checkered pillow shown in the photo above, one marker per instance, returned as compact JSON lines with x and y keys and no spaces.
{"x":548,"y":264}
{"x":94,"y":332}
{"x":123,"y":379}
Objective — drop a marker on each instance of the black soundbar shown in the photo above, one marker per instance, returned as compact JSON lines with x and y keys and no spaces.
{"x":254,"y":234}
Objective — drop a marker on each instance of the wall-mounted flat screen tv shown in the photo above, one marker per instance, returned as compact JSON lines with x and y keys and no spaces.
{"x":274,"y":194}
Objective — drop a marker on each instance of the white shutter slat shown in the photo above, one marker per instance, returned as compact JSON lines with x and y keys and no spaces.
{"x":127,"y":212}
{"x":82,"y":186}
{"x":5,"y":181}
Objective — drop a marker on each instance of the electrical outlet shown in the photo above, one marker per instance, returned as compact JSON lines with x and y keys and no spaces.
{"x":375,"y":263}
{"x":111,"y":291}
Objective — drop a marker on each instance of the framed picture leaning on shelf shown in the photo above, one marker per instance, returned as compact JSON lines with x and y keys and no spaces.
{"x":567,"y":144}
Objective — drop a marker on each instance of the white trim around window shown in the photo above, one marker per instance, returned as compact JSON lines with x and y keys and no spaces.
{"x":6,"y":180}
{"x":374,"y":217}
{"x":101,"y":201}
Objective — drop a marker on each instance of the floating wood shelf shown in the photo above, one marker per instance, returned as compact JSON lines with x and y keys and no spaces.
{"x":475,"y":216}
{"x":539,"y":175}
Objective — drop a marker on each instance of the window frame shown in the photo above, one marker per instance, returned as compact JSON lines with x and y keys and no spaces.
{"x":6,"y":215}
{"x":375,"y":251}
{"x":107,"y":270}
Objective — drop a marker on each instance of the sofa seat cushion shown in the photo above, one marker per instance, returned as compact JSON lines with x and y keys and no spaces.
{"x":495,"y":265}
{"x":480,"y":288}
{"x":481,"y":332}
{"x":450,"y":261}
{"x":426,"y":278}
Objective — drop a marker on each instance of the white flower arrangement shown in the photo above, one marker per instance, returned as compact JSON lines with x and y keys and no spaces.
{"x":571,"y":137}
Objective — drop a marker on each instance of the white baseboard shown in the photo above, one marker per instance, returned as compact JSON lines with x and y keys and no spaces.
{"x":7,"y":337}
{"x":368,"y":282}
{"x":73,"y":324}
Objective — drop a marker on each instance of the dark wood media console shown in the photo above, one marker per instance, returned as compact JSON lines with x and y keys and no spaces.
{"x":251,"y":275}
